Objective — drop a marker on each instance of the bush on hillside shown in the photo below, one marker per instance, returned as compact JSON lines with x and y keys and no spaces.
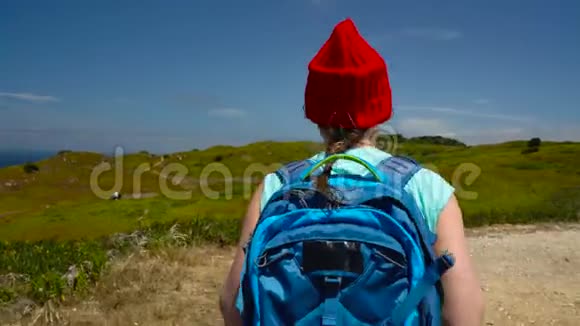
{"x":533,"y":146}
{"x":534,"y":142}
{"x":30,"y":168}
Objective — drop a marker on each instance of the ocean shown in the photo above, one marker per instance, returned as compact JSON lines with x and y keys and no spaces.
{"x":15,"y":157}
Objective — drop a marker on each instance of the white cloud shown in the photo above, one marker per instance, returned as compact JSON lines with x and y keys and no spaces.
{"x":478,"y":134}
{"x":425,"y":33}
{"x":494,"y":133}
{"x":432,"y":33}
{"x":229,"y":113}
{"x":424,"y":127}
{"x":416,"y":127}
{"x":474,"y":114}
{"x":30,"y":97}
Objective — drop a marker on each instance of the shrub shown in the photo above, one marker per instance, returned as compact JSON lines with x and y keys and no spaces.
{"x":533,"y":146}
{"x":46,"y":265}
{"x":30,"y":168}
{"x":534,"y":142}
{"x":6,"y":295}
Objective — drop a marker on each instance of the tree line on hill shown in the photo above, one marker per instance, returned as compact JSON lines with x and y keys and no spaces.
{"x":436,"y":140}
{"x":532,"y":145}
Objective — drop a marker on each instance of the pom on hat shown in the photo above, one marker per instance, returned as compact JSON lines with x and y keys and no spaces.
{"x":348,"y":84}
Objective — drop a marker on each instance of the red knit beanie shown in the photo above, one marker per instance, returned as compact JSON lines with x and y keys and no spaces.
{"x":347,"y":84}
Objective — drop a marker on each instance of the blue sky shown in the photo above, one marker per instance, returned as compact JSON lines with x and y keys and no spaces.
{"x":176,"y":75}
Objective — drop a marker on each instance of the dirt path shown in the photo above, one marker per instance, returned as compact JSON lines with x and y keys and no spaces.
{"x":530,"y":276}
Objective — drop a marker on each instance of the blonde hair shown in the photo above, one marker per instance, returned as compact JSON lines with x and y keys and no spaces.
{"x":339,"y":140}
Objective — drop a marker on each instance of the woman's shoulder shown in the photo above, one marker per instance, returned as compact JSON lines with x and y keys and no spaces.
{"x":432,"y":193}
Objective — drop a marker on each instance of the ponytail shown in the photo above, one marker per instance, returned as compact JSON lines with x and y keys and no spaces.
{"x":339,"y":140}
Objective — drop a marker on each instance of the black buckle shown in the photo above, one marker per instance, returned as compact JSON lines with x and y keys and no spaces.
{"x":332,"y":284}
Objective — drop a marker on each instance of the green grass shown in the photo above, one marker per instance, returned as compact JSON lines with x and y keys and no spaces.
{"x":62,"y":223}
{"x":57,"y":202}
{"x":35,"y":269}
{"x":91,"y":220}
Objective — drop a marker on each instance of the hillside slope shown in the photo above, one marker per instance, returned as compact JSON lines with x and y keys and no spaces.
{"x":494,"y":183}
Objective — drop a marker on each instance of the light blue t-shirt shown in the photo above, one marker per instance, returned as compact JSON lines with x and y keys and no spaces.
{"x":429,"y":189}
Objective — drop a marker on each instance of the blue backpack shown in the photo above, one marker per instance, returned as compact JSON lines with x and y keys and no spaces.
{"x":361,"y":257}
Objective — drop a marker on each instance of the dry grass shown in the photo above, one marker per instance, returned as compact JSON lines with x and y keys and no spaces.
{"x":176,"y":286}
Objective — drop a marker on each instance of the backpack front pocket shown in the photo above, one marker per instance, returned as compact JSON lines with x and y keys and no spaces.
{"x":287,"y":293}
{"x":373,"y":295}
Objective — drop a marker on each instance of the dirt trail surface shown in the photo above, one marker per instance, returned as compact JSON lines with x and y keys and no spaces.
{"x":530,"y":276}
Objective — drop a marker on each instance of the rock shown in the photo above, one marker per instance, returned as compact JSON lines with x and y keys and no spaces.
{"x":71,"y":276}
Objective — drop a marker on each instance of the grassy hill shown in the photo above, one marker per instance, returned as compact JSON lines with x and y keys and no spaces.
{"x":58,"y":202}
{"x":52,"y":220}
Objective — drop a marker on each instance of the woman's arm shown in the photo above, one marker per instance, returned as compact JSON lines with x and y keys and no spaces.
{"x":464,"y":302}
{"x":231,"y":286}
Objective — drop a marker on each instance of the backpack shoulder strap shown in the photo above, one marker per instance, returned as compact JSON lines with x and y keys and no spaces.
{"x":398,"y":170}
{"x":292,"y":172}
